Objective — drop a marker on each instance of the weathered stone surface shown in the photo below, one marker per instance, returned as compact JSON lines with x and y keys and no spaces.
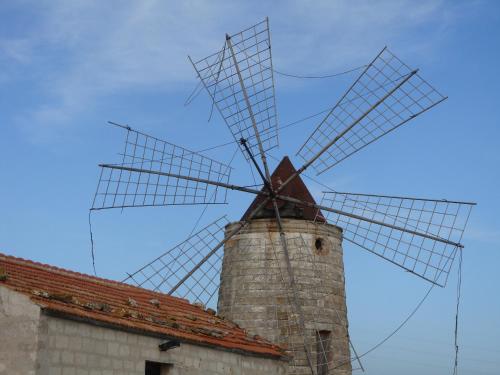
{"x":255,"y":292}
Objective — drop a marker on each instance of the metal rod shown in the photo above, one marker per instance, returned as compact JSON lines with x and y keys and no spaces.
{"x":240,"y":226}
{"x":292,"y":284}
{"x":120,"y":125}
{"x":353,"y":216}
{"x":391,"y":130}
{"x":272,"y":75}
{"x":215,"y":103}
{"x":187,"y":152}
{"x":250,"y":111}
{"x":189,"y":178}
{"x":201,"y":262}
{"x":243,"y":141}
{"x":208,"y":91}
{"x":342,"y":98}
{"x":340,"y":135}
{"x":356,"y":355}
{"x":399,"y":197}
{"x":178,"y":245}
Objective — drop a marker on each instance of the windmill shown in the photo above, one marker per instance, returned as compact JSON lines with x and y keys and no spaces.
{"x":278,"y":271}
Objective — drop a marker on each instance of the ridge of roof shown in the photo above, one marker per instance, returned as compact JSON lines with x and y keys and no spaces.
{"x":102,"y":301}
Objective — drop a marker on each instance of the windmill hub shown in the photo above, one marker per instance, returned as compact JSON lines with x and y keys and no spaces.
{"x":296,"y":189}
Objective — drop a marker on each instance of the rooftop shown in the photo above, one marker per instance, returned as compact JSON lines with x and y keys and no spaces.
{"x":96,"y":300}
{"x":296,"y":189}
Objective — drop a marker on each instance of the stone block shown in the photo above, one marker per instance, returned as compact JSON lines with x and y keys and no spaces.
{"x":253,"y":286}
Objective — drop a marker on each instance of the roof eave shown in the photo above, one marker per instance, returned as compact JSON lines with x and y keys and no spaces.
{"x":99,"y":323}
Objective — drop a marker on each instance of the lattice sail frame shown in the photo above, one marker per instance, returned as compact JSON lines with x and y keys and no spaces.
{"x":246,"y":54}
{"x":385,"y":96}
{"x":150,"y":179}
{"x":164,"y":273}
{"x":426,"y":257}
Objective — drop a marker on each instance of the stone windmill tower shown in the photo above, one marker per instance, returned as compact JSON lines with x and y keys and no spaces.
{"x":255,"y":289}
{"x":278,"y":271}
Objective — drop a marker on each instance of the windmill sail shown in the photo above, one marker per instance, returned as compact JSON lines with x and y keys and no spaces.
{"x":149,"y":176}
{"x":385,"y":96}
{"x":240,"y":81}
{"x":420,"y":235}
{"x":185,"y":259}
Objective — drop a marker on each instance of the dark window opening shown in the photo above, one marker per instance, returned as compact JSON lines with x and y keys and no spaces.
{"x":157,"y":368}
{"x":321,"y":246}
{"x":324,"y":351}
{"x":318,"y":244}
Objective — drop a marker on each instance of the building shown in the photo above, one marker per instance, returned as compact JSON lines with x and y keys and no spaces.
{"x":255,"y":289}
{"x":58,"y":322}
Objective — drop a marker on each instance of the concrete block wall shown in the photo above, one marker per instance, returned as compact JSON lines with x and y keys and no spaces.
{"x":255,"y":292}
{"x":76,"y":348}
{"x":19,"y":321}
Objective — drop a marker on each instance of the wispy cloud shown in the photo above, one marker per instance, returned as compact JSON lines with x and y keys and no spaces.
{"x":484,"y":234}
{"x":82,"y":51}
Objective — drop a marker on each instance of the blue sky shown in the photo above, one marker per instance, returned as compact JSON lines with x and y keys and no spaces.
{"x":68,"y":67}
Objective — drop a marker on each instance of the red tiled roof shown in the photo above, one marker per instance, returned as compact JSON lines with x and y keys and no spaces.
{"x":121,"y":305}
{"x":295,"y":189}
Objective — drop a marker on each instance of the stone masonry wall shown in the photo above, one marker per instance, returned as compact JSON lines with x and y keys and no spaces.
{"x":19,"y":319}
{"x":75,"y":348}
{"x":255,"y":291}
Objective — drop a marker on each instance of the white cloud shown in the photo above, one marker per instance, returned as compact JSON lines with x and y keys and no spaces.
{"x":85,"y":50}
{"x":484,"y":234}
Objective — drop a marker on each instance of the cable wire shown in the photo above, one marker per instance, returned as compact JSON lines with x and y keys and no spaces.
{"x":320,"y":76}
{"x":92,"y":243}
{"x":398,"y":328}
{"x":296,"y":122}
{"x":193,"y":94}
{"x":206,"y":205}
{"x":459,"y":287}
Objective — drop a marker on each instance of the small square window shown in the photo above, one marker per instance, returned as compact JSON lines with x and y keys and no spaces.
{"x":157,"y":368}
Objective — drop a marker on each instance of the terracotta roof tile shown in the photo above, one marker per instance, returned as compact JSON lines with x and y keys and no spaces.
{"x":118,"y":304}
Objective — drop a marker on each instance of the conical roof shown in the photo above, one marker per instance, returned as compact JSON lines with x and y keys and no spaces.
{"x":295,"y":189}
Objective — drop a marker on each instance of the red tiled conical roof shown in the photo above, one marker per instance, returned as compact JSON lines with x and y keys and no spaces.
{"x":295,"y":189}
